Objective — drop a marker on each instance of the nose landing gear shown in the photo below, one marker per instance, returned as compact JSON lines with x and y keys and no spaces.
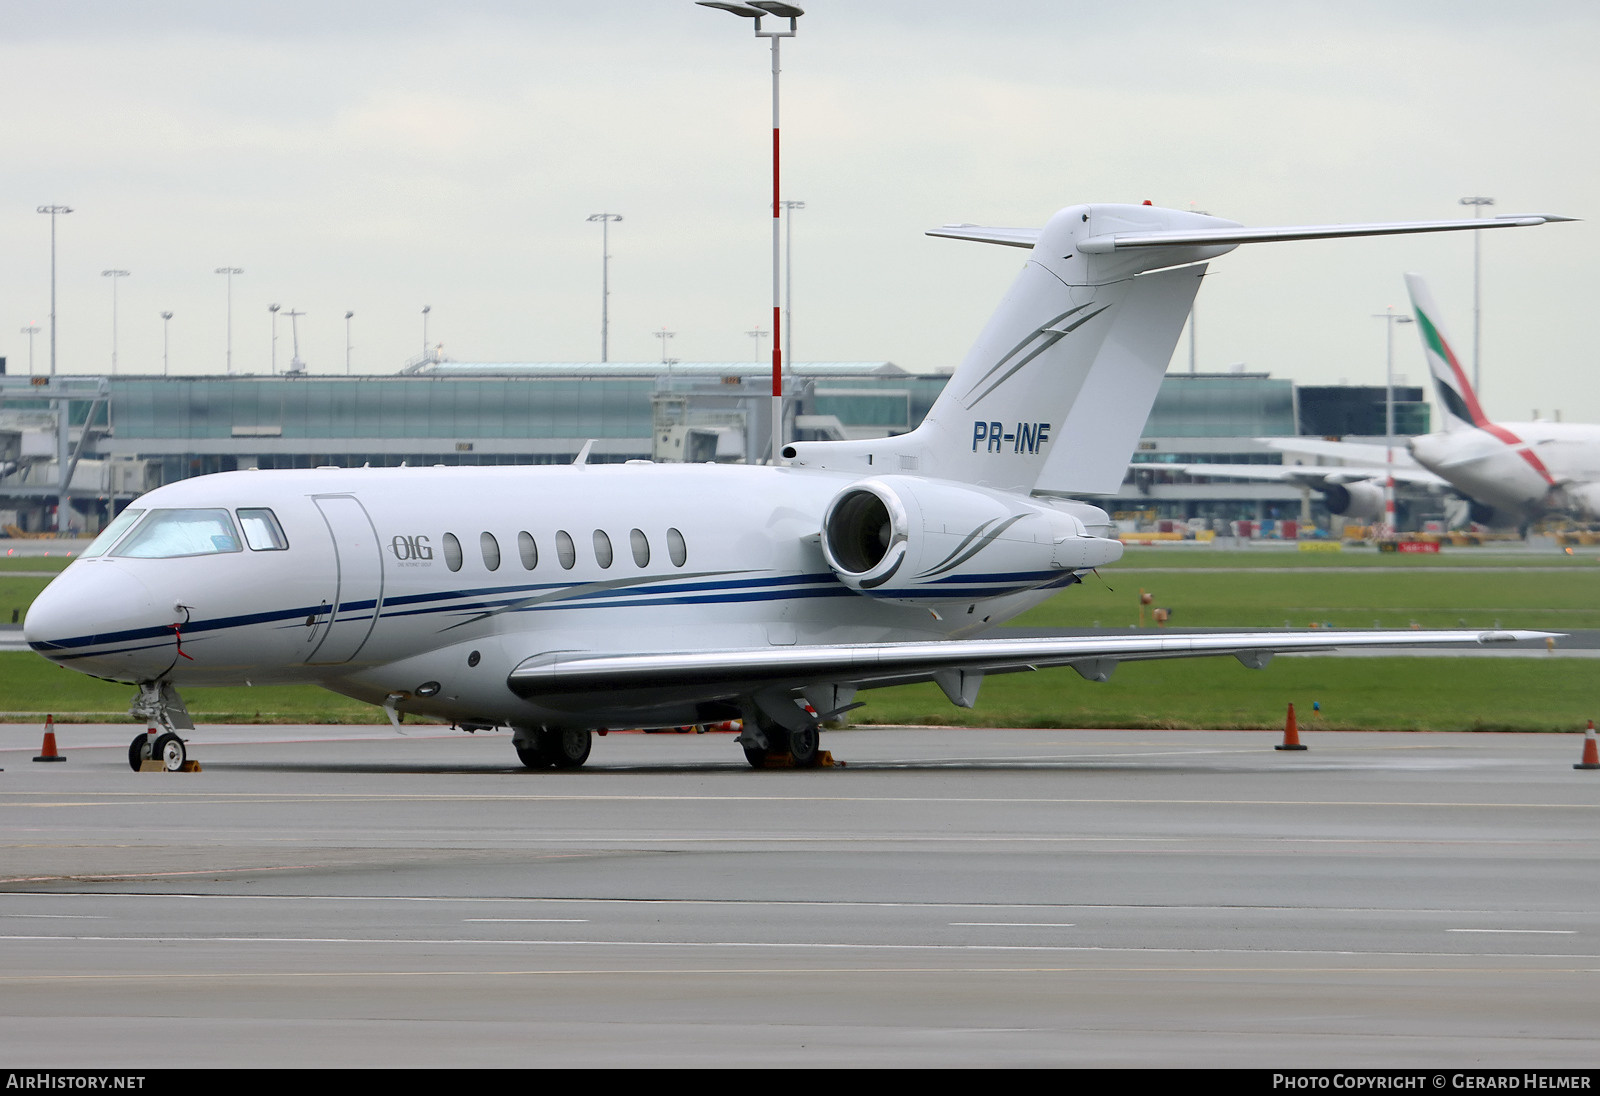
{"x":160,"y":748}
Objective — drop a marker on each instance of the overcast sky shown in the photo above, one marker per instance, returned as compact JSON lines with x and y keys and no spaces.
{"x":380,"y":156}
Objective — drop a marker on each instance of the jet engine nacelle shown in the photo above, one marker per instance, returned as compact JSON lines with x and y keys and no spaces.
{"x":1360,"y":500}
{"x":927,"y":541}
{"x":1585,"y":500}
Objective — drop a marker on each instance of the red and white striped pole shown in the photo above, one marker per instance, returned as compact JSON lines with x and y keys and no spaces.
{"x":777,"y":319}
{"x":758,"y":10}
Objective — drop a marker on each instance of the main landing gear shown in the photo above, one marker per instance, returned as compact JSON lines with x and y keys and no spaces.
{"x":545,"y":747}
{"x":164,"y":715}
{"x":766,"y":739}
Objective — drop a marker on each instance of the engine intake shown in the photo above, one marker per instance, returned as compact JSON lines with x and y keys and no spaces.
{"x":923,"y":541}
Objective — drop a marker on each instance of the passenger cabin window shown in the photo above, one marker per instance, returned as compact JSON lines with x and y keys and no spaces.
{"x":262,"y":531}
{"x":529,"y":550}
{"x":676,"y":548}
{"x":641,"y":547}
{"x":602,"y":548}
{"x":169,"y":534}
{"x":565,"y":552}
{"x":491,"y":550}
{"x":111,"y":533}
{"x":452,"y":552}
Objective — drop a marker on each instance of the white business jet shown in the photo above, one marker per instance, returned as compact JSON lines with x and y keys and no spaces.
{"x":558,"y":601}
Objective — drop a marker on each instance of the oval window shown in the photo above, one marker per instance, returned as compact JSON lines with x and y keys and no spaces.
{"x":452,"y":552}
{"x":565,"y":552}
{"x":641,"y":547}
{"x":602,"y":548}
{"x":676,"y":548}
{"x":491,"y":550}
{"x":528,"y":550}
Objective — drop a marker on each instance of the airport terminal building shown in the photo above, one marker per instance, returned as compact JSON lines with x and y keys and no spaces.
{"x":119,"y":436}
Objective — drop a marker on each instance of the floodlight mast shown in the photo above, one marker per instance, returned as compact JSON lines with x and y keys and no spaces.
{"x":1390,"y":318}
{"x":54,"y":211}
{"x":230,"y":271}
{"x":605,"y":220}
{"x":115,"y":276}
{"x":758,"y":10}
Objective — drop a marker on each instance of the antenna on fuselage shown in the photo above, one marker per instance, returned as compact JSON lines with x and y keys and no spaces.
{"x":583,"y":454}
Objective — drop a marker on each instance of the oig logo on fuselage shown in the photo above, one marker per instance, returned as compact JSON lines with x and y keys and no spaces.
{"x":411,"y":551}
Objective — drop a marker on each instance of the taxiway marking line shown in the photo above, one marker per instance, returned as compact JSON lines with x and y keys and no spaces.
{"x":757,"y":945}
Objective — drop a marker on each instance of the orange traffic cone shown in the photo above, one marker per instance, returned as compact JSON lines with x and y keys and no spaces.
{"x":1291,"y":733}
{"x":1591,"y":756}
{"x":49,"y":749}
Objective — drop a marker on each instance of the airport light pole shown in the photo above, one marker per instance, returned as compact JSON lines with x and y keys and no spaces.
{"x":1194,"y":318}
{"x":295,"y":364}
{"x":54,"y":211}
{"x":31,"y":330}
{"x":1477,"y":203}
{"x":166,"y":329}
{"x":230,"y":271}
{"x":758,"y":335}
{"x":427,"y":308}
{"x":347,"y":316}
{"x":663,"y":335}
{"x":758,"y":10}
{"x":788,"y":280}
{"x":115,"y":276}
{"x":606,"y":220}
{"x":1390,"y":318}
{"x":273,"y":308}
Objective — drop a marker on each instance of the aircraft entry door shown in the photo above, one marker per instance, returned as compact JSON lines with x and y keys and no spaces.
{"x":358,"y":592}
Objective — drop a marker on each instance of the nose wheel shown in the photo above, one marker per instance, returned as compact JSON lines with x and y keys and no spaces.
{"x":168,"y":750}
{"x":163,"y":712}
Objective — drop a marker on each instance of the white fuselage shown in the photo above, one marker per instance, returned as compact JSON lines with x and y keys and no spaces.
{"x":369,"y":598}
{"x":1523,"y":468}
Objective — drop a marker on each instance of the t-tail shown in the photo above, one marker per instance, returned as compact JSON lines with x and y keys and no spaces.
{"x":1457,"y":401}
{"x":1054,"y":394}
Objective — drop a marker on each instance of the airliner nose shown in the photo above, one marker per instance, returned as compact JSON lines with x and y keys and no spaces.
{"x":98,"y":618}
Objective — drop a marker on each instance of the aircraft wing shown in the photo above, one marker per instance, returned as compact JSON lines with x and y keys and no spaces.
{"x":734,"y":672}
{"x":1307,"y":475}
{"x":1351,"y":452}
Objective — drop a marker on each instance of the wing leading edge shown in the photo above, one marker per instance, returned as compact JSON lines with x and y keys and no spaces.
{"x":716,"y":674}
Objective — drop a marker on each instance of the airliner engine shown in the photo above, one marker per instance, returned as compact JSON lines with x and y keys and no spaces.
{"x":1584,"y":500}
{"x":930,"y":541}
{"x":1361,"y":500}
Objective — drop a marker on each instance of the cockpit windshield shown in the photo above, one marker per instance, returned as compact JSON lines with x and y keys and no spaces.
{"x":168,"y":534}
{"x":108,"y":536}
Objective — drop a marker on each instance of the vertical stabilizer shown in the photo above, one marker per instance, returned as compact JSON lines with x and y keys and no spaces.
{"x":1458,"y":404}
{"x":1054,"y":393}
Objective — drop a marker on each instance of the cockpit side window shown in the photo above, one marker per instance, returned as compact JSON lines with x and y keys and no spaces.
{"x":109,"y":535}
{"x":168,"y":534}
{"x":262,"y":531}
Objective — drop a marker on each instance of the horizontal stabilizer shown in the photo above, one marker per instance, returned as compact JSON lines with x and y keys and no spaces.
{"x":1010,"y":237}
{"x":1202,"y":237}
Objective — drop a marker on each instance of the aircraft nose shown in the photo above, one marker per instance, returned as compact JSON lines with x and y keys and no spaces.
{"x":98,"y":618}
